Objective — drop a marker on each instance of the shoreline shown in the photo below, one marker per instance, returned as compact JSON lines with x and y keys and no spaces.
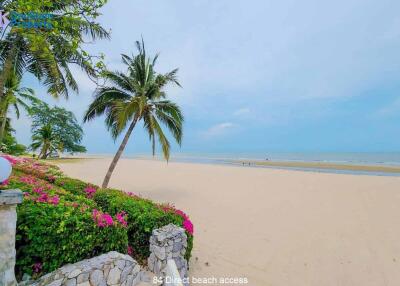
{"x":307,"y":166}
{"x":325,"y":166}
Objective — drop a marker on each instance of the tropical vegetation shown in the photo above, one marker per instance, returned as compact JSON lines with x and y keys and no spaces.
{"x":14,"y":96}
{"x":63,"y":220}
{"x":10,"y":144}
{"x":55,"y":130}
{"x":137,"y":95}
{"x":48,"y":54}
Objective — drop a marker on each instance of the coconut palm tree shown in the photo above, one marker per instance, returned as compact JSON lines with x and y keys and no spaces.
{"x":137,"y":95}
{"x":45,"y":139}
{"x":48,"y":54}
{"x":47,"y":58}
{"x":16,"y":97}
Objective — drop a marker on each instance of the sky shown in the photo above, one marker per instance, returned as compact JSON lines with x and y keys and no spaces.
{"x":259,"y":75}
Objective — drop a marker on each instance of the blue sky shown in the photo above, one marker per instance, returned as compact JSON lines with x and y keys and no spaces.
{"x":260,"y":75}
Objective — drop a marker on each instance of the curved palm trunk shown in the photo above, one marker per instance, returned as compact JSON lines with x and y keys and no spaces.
{"x":118,"y":154}
{"x":3,"y":117}
{"x":2,"y":128}
{"x":43,"y":152}
{"x":6,"y":70}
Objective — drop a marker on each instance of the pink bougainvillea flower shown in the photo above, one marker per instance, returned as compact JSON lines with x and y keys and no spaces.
{"x":188,"y":226}
{"x":51,"y":179}
{"x":130,"y":250}
{"x":39,"y":190}
{"x":90,"y":192}
{"x":43,"y":198}
{"x":10,"y":159}
{"x":121,"y":217}
{"x":5,"y":183}
{"x":14,"y":160}
{"x":108,"y":219}
{"x":54,"y":200}
{"x":49,"y":186}
{"x":27,"y":180}
{"x":102,"y":219}
{"x":37,"y":267}
{"x":96,"y":215}
{"x":182,"y":214}
{"x":27,"y":196}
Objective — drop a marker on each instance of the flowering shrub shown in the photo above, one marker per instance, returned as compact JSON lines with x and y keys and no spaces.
{"x":75,"y":186}
{"x":55,"y":235}
{"x":187,"y":223}
{"x":142,"y":217}
{"x":121,"y":217}
{"x":35,"y":168}
{"x":64,"y":220}
{"x":102,"y":219}
{"x":13,"y":160}
{"x":90,"y":192}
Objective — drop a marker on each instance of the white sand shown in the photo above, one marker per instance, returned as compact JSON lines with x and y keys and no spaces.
{"x":274,"y":227}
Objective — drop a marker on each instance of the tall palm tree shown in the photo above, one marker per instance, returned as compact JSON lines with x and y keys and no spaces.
{"x":137,"y":96}
{"x":45,"y":139}
{"x":16,"y":97}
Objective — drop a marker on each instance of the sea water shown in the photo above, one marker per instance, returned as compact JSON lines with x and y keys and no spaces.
{"x":356,"y":158}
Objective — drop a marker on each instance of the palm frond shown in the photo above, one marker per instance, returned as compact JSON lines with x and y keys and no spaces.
{"x":17,"y":113}
{"x":170,"y":114}
{"x":104,"y":100}
{"x":119,"y":79}
{"x":165,"y":146}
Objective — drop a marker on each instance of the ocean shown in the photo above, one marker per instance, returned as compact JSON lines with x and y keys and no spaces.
{"x":348,"y":158}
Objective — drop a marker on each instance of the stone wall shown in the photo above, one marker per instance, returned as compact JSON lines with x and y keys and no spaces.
{"x":8,"y":219}
{"x":168,"y":242}
{"x":110,"y":269}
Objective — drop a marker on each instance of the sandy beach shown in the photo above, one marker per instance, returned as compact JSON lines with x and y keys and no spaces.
{"x":274,"y":227}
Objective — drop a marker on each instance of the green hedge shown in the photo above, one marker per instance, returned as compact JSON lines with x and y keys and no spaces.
{"x":143,"y":217}
{"x":55,"y":235}
{"x":66,"y":231}
{"x":74,"y":186}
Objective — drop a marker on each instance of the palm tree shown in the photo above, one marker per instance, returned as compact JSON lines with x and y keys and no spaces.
{"x":137,"y":95}
{"x":47,"y":58}
{"x":14,"y":96}
{"x":45,"y":139}
{"x":48,"y":53}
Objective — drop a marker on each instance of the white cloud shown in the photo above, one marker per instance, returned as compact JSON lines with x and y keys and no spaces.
{"x":217,"y":130}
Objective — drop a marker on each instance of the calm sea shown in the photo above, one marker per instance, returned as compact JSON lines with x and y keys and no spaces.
{"x":349,"y":158}
{"x":387,"y":159}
